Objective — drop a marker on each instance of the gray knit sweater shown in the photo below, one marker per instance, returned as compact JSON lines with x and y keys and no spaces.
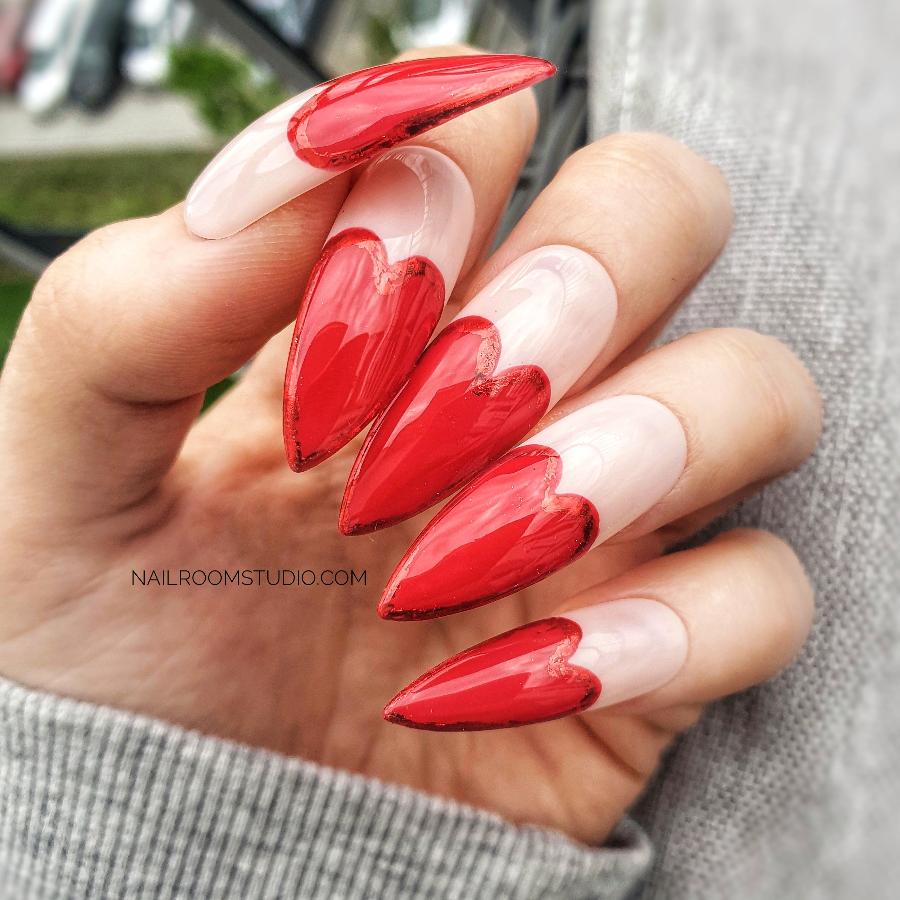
{"x":790,"y":790}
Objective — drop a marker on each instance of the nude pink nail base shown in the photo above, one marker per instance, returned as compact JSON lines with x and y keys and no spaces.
{"x":540,"y":507}
{"x":482,"y":385}
{"x":586,"y":659}
{"x":332,"y":127}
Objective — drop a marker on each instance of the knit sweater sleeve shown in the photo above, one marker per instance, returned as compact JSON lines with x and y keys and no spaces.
{"x":96,"y":802}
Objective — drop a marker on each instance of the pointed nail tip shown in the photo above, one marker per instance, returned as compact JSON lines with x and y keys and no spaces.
{"x":396,"y":714}
{"x":351,"y":527}
{"x":399,"y":718}
{"x":389,"y":609}
{"x":541,"y":68}
{"x":403,"y":614}
{"x":293,"y":460}
{"x":351,"y":523}
{"x":198,"y":227}
{"x":303,"y":462}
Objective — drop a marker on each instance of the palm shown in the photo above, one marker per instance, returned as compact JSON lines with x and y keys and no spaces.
{"x":306,"y":671}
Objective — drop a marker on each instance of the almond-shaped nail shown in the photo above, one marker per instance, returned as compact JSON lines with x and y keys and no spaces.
{"x":482,"y":384}
{"x":586,"y":659}
{"x":374,"y":297}
{"x":337,"y":125}
{"x":540,"y":507}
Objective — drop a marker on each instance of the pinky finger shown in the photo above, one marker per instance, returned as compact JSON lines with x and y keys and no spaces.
{"x":681,"y":630}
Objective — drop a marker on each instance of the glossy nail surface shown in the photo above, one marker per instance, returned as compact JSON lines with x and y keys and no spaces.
{"x":482,"y":384}
{"x":540,"y":507}
{"x":337,"y":125}
{"x":374,"y":297}
{"x":586,"y":659}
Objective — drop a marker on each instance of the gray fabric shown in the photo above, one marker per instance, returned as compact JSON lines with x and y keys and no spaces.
{"x":793,"y":789}
{"x":96,"y":803}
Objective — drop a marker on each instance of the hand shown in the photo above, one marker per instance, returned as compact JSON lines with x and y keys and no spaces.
{"x":106,"y":470}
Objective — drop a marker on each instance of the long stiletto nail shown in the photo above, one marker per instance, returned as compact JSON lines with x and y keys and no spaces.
{"x":482,"y":385}
{"x":587,"y":659}
{"x":374,"y":297}
{"x":540,"y":507}
{"x":334,"y":126}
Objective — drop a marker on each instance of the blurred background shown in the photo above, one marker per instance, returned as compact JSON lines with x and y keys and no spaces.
{"x":110,"y":108}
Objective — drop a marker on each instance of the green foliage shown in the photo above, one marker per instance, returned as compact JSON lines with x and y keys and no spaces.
{"x":77,"y":193}
{"x":226,"y":90}
{"x":14,"y":294}
{"x":380,"y":40}
{"x":15,"y":291}
{"x":80,"y":193}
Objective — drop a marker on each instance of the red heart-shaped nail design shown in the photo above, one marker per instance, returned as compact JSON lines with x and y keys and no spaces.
{"x":516,"y":678}
{"x":357,"y":115}
{"x":362,"y":325}
{"x":506,"y":530}
{"x":454,"y":416}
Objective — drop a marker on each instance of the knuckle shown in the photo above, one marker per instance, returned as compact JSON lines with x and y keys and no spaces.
{"x":790,"y":619}
{"x":790,"y":400}
{"x":760,"y":558}
{"x":664,"y":173}
{"x":66,"y":306}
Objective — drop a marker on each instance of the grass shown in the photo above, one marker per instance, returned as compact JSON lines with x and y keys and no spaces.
{"x":63,"y":194}
{"x":77,"y":193}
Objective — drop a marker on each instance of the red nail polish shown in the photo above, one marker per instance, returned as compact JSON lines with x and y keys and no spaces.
{"x":358,"y":115}
{"x":455,"y":415}
{"x":362,"y":326}
{"x":484,"y":383}
{"x":508,"y":529}
{"x":332,"y":127}
{"x":374,"y":297}
{"x":517,"y":678}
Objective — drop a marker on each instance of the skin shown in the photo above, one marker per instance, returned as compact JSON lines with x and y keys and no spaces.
{"x":105,"y":470}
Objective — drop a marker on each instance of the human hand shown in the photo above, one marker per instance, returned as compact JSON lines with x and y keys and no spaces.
{"x":106,"y":469}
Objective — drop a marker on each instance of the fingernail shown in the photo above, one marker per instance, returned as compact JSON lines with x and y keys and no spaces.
{"x":482,"y":385}
{"x":337,"y":125}
{"x":540,"y":507}
{"x":587,"y":659}
{"x":374,"y":297}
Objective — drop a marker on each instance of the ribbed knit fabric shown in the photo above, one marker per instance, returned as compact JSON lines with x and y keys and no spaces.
{"x":792,"y":790}
{"x":96,"y":803}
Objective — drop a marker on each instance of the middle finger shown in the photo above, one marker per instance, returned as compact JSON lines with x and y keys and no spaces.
{"x":638,"y":216}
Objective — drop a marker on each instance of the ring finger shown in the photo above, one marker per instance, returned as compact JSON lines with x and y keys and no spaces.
{"x":671,"y":433}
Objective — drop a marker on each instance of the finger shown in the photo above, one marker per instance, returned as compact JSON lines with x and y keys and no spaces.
{"x":391,"y":261}
{"x":674,"y":431}
{"x":337,"y":125}
{"x":748,"y":406}
{"x":128,"y":329}
{"x":123,"y":335}
{"x":681,"y":630}
{"x":634,"y":217}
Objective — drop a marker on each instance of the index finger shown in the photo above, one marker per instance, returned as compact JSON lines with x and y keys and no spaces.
{"x":127,"y":330}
